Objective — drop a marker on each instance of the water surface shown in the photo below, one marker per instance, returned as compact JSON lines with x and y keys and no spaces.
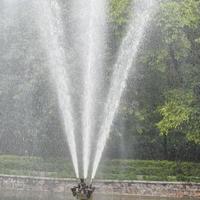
{"x":13,"y":195}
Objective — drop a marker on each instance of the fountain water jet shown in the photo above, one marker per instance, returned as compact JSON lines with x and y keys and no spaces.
{"x":51,"y":31}
{"x":91,"y":26}
{"x":126,"y":56}
{"x":93,"y":21}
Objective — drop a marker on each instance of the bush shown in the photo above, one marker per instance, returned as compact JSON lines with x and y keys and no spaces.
{"x":111,"y":169}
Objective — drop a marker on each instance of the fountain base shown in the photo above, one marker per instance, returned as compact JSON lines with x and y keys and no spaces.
{"x":83,"y":191}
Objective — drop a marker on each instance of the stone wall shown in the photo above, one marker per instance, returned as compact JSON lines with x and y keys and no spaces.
{"x":140,"y":188}
{"x":150,"y":188}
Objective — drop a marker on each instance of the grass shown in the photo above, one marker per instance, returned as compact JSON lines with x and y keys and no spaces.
{"x":113,"y":169}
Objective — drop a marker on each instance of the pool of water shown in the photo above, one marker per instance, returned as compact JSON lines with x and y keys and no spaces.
{"x":16,"y":195}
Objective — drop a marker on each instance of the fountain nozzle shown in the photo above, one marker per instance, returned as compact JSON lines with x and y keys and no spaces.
{"x":83,"y":191}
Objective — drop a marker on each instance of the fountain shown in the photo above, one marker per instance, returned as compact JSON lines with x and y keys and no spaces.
{"x":83,"y":191}
{"x":50,"y":24}
{"x":65,"y":66}
{"x":92,"y":38}
{"x":92,"y":26}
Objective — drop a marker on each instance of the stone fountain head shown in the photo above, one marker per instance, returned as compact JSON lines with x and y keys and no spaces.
{"x":83,"y":191}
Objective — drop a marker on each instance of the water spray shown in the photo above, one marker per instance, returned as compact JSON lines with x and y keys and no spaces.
{"x":51,"y":30}
{"x":94,"y":37}
{"x":127,"y":54}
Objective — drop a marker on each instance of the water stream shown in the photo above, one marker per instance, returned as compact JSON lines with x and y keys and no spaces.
{"x":90,"y":32}
{"x":126,"y":56}
{"x":49,"y":21}
{"x":94,"y":39}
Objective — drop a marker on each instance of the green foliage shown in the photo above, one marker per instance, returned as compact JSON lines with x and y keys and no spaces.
{"x":174,"y":16}
{"x":180,"y":113}
{"x":170,"y":70}
{"x":118,"y":11}
{"x":35,"y":166}
{"x":149,"y":170}
{"x":176,"y":111}
{"x":193,"y":130}
{"x":110,"y":169}
{"x":119,"y":15}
